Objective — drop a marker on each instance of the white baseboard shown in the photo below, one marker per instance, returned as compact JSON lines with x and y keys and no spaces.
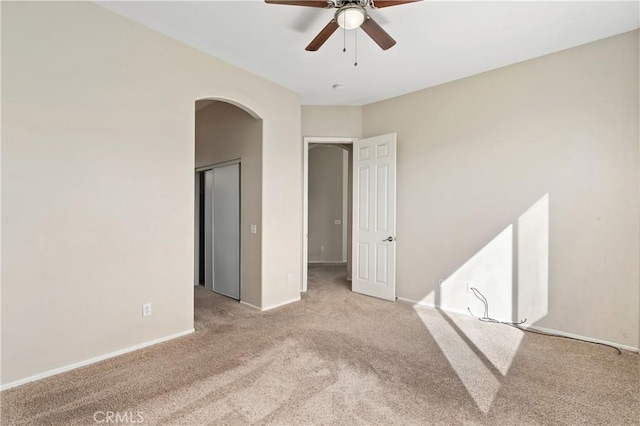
{"x":433,"y":305}
{"x":328,"y":262}
{"x":92,"y":360}
{"x":577,"y":336}
{"x":242,"y":302}
{"x":532,"y":327}
{"x":277,"y":305}
{"x":268,"y":308}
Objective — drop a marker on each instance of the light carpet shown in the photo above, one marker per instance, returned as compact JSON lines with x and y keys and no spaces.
{"x":338,"y":357}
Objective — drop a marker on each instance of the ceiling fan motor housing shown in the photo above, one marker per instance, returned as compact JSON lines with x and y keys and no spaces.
{"x":351,"y":16}
{"x":340,"y":3}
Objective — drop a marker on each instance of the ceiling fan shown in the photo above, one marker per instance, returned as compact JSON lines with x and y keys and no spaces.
{"x":350,"y":14}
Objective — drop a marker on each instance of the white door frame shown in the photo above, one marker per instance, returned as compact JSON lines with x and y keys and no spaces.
{"x":305,"y":195}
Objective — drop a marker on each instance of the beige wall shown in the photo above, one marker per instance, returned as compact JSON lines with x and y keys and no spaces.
{"x":325,"y":203}
{"x":98,"y":182}
{"x":332,"y":121}
{"x":525,"y":176}
{"x":224,"y":132}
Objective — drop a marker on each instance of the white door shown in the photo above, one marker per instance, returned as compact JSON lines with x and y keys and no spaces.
{"x":374,"y":213}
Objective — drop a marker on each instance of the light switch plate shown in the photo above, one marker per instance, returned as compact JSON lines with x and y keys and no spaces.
{"x":254,"y":229}
{"x":146,"y":310}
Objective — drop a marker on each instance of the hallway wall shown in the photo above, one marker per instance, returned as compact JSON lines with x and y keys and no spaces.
{"x":326,"y":170}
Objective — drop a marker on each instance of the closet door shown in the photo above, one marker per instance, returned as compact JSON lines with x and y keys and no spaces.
{"x":226,"y":230}
{"x":208,"y":229}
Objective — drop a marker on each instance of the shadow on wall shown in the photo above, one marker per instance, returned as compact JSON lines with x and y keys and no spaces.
{"x":512,"y":273}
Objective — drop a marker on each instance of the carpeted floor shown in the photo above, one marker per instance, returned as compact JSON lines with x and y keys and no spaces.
{"x":341,"y":358}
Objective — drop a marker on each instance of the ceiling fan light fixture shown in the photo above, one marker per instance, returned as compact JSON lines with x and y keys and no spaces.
{"x":351,"y":16}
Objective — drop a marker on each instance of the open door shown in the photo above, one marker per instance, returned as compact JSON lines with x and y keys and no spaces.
{"x":374,"y":216}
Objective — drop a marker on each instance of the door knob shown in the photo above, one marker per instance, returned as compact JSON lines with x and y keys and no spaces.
{"x":389,"y":239}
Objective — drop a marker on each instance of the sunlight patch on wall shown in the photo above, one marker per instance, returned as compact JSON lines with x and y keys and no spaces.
{"x":512,"y":273}
{"x":533,"y":262}
{"x":490,"y":271}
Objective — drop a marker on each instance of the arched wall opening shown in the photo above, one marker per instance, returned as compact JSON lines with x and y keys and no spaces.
{"x":226,"y":131}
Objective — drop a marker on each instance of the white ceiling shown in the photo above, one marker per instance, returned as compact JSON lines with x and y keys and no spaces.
{"x":438,"y":41}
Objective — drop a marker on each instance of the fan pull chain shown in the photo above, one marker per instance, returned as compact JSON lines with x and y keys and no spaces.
{"x":355,"y":64}
{"x":344,"y":40}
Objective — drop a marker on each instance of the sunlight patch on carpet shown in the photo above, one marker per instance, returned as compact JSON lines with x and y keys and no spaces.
{"x":477,"y":378}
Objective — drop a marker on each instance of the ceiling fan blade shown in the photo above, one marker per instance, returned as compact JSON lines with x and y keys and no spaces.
{"x":378,"y":4}
{"x":309,"y":3}
{"x":375,"y":31}
{"x":323,"y":36}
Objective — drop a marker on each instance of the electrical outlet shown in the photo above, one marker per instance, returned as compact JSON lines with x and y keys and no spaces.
{"x":290,"y":278}
{"x":146,"y":310}
{"x":321,"y":249}
{"x":254,"y":229}
{"x":626,"y":335}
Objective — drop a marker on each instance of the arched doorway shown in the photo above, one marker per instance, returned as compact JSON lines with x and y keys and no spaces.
{"x":228,"y":140}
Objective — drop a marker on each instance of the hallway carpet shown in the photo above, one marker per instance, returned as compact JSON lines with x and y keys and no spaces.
{"x":341,"y":358}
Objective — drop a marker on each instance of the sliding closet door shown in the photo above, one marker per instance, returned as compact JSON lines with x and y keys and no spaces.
{"x":208,"y":229}
{"x":226,"y":230}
